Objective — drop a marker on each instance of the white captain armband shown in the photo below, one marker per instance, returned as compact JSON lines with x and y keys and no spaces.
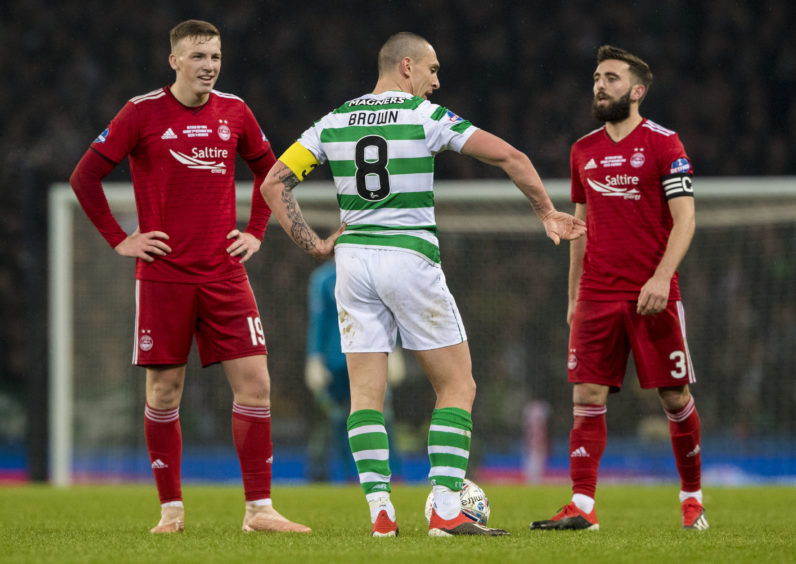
{"x":299,"y":160}
{"x":675,"y":185}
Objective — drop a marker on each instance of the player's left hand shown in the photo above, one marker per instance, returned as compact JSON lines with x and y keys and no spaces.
{"x":244,"y":245}
{"x":654,"y":296}
{"x":324,"y":248}
{"x":559,"y":225}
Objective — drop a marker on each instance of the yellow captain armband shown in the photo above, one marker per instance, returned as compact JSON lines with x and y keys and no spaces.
{"x":300,"y":160}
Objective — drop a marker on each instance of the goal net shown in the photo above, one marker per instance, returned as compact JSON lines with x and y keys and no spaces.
{"x":510,"y":283}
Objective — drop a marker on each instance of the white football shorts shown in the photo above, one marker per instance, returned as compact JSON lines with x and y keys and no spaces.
{"x":380,"y":292}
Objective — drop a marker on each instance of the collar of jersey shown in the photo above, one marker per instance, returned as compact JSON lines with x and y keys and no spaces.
{"x":192,"y":109}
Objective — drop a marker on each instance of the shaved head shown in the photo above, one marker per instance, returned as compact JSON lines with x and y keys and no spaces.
{"x":398,"y":46}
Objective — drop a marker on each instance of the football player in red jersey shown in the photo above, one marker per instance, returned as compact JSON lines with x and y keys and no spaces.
{"x":182,"y":141}
{"x":631,"y":183}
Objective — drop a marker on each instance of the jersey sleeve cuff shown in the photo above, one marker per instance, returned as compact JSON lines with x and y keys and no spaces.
{"x":259,"y":234}
{"x":458,"y":142}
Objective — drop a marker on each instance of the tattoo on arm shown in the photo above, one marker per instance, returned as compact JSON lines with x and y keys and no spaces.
{"x":287,"y":177}
{"x":299,"y":231}
{"x":536,"y":206}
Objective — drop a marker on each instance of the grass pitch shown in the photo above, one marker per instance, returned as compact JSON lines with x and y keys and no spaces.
{"x":110,"y":524}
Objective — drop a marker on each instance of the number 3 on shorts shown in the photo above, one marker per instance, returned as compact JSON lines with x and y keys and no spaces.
{"x":680,"y":366}
{"x":256,"y":330}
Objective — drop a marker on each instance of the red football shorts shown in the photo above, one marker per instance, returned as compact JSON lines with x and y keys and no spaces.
{"x":604,"y":333}
{"x":223,"y":315}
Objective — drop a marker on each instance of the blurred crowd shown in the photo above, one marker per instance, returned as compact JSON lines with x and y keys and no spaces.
{"x":724,"y":77}
{"x":724,"y":70}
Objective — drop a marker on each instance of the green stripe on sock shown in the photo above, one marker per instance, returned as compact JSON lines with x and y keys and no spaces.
{"x":448,"y":439}
{"x":376,"y":440}
{"x":452,"y":417}
{"x":458,"y":437}
{"x":443,"y":459}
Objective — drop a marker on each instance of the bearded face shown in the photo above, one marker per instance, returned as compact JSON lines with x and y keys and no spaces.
{"x":605,"y":109}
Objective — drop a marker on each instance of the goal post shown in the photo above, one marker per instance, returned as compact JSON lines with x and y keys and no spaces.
{"x":61,"y":379}
{"x":486,"y":228}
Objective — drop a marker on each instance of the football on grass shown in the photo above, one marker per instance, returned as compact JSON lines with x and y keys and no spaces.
{"x":475,"y":504}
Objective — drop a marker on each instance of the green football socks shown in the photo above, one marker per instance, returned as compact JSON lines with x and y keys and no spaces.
{"x":370,"y":448}
{"x":449,"y":447}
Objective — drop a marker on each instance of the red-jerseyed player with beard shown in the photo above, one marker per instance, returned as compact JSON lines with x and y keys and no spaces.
{"x":631,"y":182}
{"x":182,"y":141}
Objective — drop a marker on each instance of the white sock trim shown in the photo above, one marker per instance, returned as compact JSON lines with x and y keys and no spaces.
{"x":161,"y":415}
{"x":682,"y":414}
{"x":260,"y":502}
{"x":172,"y":504}
{"x":378,"y":497}
{"x":252,"y":411}
{"x":583,"y":502}
{"x":378,"y":501}
{"x":696,"y":495}
{"x":447,"y":502}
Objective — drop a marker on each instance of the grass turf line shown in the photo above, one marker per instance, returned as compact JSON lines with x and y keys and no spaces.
{"x":638,"y":524}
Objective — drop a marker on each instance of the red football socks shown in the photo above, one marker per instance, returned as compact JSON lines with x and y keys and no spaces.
{"x":586,"y":446}
{"x":164,"y":442}
{"x":251,"y":433}
{"x":685,"y":431}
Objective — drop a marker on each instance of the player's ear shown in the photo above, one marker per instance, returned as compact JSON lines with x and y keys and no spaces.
{"x":637,"y":92}
{"x":406,"y":66}
{"x":173,"y":61}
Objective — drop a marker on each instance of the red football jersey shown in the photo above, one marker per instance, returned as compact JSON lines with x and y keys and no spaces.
{"x":625,"y":187}
{"x":182,"y":163}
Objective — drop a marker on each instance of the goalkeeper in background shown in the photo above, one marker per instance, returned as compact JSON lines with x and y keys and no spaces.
{"x":182,"y":141}
{"x":381,"y":149}
{"x":631,"y":182}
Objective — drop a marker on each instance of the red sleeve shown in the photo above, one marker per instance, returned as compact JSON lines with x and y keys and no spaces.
{"x":577,"y":192}
{"x":86,"y":181}
{"x":121,"y":136}
{"x":260,"y":212}
{"x":255,"y":149}
{"x":672,"y":157}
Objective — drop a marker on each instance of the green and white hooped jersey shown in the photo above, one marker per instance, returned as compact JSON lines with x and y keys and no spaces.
{"x":381,"y":150}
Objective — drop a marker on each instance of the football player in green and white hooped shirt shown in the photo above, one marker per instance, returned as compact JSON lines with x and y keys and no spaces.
{"x":381,"y":149}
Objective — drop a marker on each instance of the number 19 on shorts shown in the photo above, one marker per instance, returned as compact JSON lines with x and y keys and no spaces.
{"x":256,"y":330}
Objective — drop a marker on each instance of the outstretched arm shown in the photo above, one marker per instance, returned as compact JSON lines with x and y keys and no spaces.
{"x":494,"y":151}
{"x":277,"y":189}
